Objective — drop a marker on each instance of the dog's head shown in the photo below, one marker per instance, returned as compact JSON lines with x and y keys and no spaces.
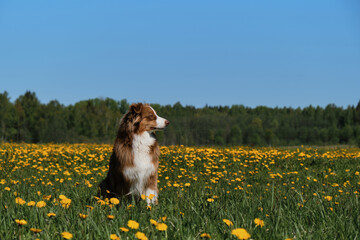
{"x":143,"y":118}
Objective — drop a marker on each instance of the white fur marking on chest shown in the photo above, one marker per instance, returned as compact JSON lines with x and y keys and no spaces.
{"x":143,"y":166}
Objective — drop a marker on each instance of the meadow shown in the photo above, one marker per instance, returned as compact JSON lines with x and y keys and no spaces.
{"x":49,"y":191}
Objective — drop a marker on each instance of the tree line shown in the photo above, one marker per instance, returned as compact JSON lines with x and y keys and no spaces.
{"x":96,"y":120}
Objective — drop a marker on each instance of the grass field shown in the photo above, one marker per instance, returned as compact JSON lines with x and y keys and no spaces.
{"x":49,"y":192}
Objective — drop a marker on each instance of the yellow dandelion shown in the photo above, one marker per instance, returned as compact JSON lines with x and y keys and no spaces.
{"x":329,"y":198}
{"x":31,"y":203}
{"x":111,"y":217}
{"x":20,"y":201}
{"x":61,"y":196}
{"x":123,"y":229}
{"x":141,"y":236}
{"x":161,"y":227}
{"x":51,"y":214}
{"x":114,"y":237}
{"x":133,"y":224}
{"x":259,"y":222}
{"x":66,"y":235}
{"x":65,"y":202}
{"x":101,"y":202}
{"x":35,"y":230}
{"x":205,"y":235}
{"x":187,"y":184}
{"x":143,"y":197}
{"x":210,"y":200}
{"x":114,"y":201}
{"x":21,"y":221}
{"x":240,"y":233}
{"x":47,"y":197}
{"x":153,"y":222}
{"x":228,"y":222}
{"x":40,"y":204}
{"x":90,"y":207}
{"x":83,"y":216}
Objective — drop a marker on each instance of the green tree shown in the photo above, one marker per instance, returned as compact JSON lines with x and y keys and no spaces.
{"x":54,"y":128}
{"x":6,"y":117}
{"x":235,"y":136}
{"x":255,"y":132}
{"x":346,"y":134}
{"x":27,"y":108}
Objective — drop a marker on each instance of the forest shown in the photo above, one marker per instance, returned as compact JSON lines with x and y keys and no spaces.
{"x":96,"y":121}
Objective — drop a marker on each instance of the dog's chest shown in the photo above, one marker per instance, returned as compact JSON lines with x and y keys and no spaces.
{"x":143,"y":166}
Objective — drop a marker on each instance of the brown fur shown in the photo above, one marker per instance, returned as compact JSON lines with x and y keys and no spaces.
{"x":138,"y":119}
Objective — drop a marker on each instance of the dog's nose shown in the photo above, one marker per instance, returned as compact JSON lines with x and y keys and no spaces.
{"x":167,"y":122}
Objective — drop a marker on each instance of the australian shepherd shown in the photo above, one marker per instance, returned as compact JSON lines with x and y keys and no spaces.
{"x":133,"y":167}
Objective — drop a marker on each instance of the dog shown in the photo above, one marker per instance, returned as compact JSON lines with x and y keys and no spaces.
{"x":133,"y":166}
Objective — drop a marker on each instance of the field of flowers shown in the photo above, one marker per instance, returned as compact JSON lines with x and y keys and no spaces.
{"x":50,"y":192}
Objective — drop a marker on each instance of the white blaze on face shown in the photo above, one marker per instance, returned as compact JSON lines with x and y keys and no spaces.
{"x":160,"y":122}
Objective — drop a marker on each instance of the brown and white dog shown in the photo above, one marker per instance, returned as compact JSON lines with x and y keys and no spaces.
{"x":133,"y":167}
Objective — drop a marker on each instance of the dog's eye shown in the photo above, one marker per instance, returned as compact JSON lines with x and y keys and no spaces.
{"x":151,"y":117}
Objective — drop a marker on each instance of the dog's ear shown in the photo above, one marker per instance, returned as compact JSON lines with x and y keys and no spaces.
{"x":136,"y":107}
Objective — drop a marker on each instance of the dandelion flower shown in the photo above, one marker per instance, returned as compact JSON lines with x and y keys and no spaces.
{"x":161,"y":227}
{"x":40,"y":204}
{"x":114,"y":237}
{"x":111,"y":217}
{"x":31,"y":203}
{"x":66,"y":235}
{"x":123,"y":229}
{"x":21,"y":221}
{"x":61,"y":196}
{"x":20,"y":201}
{"x":205,"y":235}
{"x":240,"y":233}
{"x":47,"y":197}
{"x":114,"y":201}
{"x":35,"y":230}
{"x":259,"y":222}
{"x":153,"y":222}
{"x":133,"y":224}
{"x":90,"y":207}
{"x":141,"y":236}
{"x":228,"y":222}
{"x":329,"y":198}
{"x":210,"y":200}
{"x":83,"y":216}
{"x":51,"y":214}
{"x":65,"y":202}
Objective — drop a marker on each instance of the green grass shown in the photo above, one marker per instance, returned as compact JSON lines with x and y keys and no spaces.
{"x":298,"y":193}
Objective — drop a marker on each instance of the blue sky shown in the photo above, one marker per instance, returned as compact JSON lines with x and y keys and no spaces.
{"x":272,"y":53}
